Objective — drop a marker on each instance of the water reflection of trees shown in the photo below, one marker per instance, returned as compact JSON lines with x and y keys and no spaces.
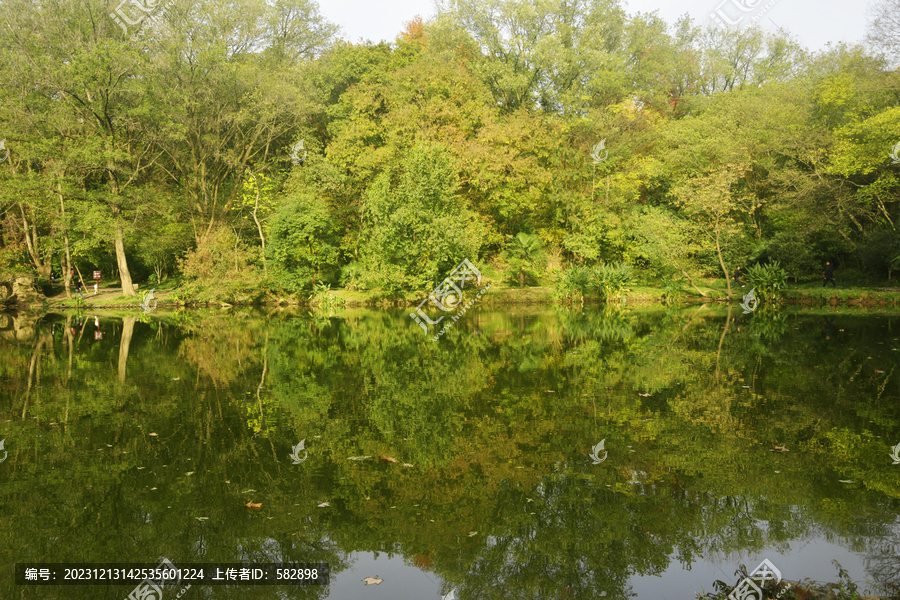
{"x":496,"y":418}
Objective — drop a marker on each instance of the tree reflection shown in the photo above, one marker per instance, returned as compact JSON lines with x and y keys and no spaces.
{"x":496,"y":422}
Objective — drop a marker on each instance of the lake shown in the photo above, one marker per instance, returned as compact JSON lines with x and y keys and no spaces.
{"x":470,"y":467}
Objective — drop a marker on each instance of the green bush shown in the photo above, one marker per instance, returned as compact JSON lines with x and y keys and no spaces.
{"x":303,"y":244}
{"x":573,"y":283}
{"x":525,"y":257}
{"x":769,"y":281}
{"x":323,"y":299}
{"x":609,"y":280}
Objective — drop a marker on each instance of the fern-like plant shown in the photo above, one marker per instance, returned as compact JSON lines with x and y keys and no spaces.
{"x":769,"y":280}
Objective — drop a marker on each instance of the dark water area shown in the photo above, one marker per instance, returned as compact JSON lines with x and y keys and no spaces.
{"x":470,"y":467}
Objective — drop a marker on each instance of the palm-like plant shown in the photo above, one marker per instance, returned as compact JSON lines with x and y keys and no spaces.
{"x":524,"y":253}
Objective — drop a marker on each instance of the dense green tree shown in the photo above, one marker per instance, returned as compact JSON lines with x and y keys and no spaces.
{"x":524,"y":254}
{"x":303,"y":243}
{"x":417,"y":226}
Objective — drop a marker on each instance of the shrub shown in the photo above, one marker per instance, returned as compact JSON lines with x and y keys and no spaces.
{"x":768,"y":280}
{"x":610,"y":280}
{"x":573,"y":283}
{"x":220,"y":256}
{"x":525,"y":256}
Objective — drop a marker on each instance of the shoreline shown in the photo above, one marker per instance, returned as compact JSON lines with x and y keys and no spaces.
{"x":855,"y":298}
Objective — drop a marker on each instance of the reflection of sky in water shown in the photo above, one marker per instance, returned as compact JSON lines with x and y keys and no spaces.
{"x":806,"y":559}
{"x":401,"y":580}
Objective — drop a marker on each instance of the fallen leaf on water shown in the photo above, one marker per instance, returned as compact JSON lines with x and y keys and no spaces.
{"x":153,"y":488}
{"x":324,"y":504}
{"x":373,"y":580}
{"x":251,"y":504}
{"x":248,"y":491}
{"x":390,"y":459}
{"x":202,"y":518}
{"x":176,"y":379}
{"x":407,"y":465}
{"x":845,"y":480}
{"x":189,"y":473}
{"x":139,"y":468}
{"x":473,"y":533}
{"x":644,"y":395}
{"x":153,"y":434}
{"x":780,"y":448}
{"x":877,"y":371}
{"x":359,"y":457}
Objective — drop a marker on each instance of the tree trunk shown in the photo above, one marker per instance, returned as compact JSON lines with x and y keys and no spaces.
{"x":693,"y":285}
{"x":31,"y":244}
{"x":62,"y":214}
{"x":722,"y":261}
{"x":125,"y":344}
{"x":124,"y":273}
{"x":262,"y":238}
{"x":722,"y":339}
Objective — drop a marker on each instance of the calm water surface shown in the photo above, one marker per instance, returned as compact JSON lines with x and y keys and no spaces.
{"x":461,"y":465}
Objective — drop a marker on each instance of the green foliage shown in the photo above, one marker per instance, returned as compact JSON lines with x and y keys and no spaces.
{"x":323,"y":299}
{"x":417,"y":227}
{"x":573,"y":283}
{"x":769,"y":281}
{"x":525,"y":256}
{"x":473,"y":127}
{"x":302,"y":244}
{"x":219,"y":257}
{"x":671,"y":292}
{"x":610,"y":280}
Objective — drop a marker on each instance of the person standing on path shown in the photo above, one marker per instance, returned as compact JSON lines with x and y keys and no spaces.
{"x":829,"y":275}
{"x":78,"y":285}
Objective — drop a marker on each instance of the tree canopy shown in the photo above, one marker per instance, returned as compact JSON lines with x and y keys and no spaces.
{"x":138,"y":143}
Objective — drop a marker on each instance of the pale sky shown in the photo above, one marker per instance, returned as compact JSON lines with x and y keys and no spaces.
{"x":813,"y":22}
